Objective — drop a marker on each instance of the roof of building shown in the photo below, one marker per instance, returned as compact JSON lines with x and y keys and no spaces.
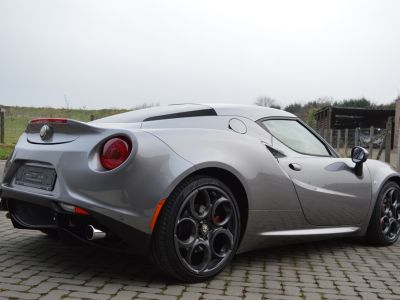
{"x":356,"y":110}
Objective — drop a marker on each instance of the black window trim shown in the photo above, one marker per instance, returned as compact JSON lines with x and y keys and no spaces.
{"x":185,"y":114}
{"x":331,"y":151}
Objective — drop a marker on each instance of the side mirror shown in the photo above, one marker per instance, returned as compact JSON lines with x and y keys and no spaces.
{"x":359,"y":155}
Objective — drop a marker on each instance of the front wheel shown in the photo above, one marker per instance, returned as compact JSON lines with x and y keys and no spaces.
{"x":198,"y":230}
{"x":384,"y":227}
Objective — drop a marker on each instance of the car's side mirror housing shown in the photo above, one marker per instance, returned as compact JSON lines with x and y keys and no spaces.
{"x":359,"y":155}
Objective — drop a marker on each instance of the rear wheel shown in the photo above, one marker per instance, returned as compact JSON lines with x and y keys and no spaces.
{"x":197,"y":233}
{"x":384,"y":227}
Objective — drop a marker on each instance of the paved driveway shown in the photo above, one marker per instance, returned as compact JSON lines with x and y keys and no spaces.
{"x":33,"y":266}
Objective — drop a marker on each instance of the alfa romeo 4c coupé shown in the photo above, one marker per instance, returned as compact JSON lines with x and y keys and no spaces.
{"x":190,"y":185}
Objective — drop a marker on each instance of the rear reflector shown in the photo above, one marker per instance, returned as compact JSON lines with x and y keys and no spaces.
{"x":74,"y":209}
{"x":156,"y":213}
{"x":80,"y":211}
{"x":48,"y":120}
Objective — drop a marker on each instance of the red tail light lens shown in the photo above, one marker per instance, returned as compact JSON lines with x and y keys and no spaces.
{"x":114,"y":152}
{"x":48,"y":120}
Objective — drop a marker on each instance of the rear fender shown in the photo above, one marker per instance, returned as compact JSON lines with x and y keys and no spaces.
{"x":267,"y":187}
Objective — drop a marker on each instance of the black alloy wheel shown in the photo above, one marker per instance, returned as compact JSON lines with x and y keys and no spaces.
{"x":384,"y":227}
{"x":390,"y":211}
{"x":197,"y":233}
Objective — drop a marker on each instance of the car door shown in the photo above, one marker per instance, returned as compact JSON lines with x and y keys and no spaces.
{"x":328,"y":188}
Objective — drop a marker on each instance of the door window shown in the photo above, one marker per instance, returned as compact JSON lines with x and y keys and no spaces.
{"x":296,"y":136}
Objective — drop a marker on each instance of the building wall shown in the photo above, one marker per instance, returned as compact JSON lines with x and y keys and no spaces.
{"x":396,"y":123}
{"x":324,"y":120}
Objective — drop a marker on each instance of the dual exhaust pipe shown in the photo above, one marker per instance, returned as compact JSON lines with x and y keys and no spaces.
{"x":93,"y":233}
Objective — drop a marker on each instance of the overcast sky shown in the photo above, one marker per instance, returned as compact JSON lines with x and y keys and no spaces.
{"x":124,"y":53}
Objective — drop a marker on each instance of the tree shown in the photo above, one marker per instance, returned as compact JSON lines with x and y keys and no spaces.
{"x":146,"y":105}
{"x":362,"y":102}
{"x":267,"y":102}
{"x":307,"y":110}
{"x":293,"y":108}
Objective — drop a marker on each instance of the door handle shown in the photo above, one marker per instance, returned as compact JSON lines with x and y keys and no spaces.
{"x":295,"y":167}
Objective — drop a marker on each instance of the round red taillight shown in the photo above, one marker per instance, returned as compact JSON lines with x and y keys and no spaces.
{"x":114,"y":152}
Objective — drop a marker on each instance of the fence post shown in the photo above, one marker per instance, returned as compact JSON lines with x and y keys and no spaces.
{"x":398,"y":152}
{"x":338,"y":141}
{"x":330,"y":136}
{"x":2,"y":126}
{"x":381,"y":147}
{"x":325,"y":134}
{"x":346,"y":140}
{"x":388,"y":141}
{"x":357,"y":137}
{"x":371,"y":142}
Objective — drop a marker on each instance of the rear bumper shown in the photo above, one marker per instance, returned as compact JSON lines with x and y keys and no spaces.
{"x":44,"y":214}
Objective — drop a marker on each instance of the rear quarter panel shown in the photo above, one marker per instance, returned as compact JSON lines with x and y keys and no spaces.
{"x":272,"y":200}
{"x":245,"y":156}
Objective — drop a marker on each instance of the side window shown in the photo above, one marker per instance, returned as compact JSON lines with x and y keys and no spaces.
{"x":297,"y":137}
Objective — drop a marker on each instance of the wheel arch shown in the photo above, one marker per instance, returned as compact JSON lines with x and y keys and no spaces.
{"x":394,"y":177}
{"x":231,"y":181}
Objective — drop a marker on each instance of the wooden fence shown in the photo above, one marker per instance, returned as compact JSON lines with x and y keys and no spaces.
{"x":376,"y":140}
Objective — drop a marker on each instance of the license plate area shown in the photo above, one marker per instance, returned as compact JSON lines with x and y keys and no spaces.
{"x":37,"y":177}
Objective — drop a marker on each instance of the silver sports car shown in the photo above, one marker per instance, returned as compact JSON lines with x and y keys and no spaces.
{"x":192,"y":184}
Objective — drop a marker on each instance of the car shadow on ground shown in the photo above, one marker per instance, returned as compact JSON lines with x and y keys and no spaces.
{"x":51,"y":257}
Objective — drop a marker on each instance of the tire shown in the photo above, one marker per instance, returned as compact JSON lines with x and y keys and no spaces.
{"x":198,"y":230}
{"x":384,"y":226}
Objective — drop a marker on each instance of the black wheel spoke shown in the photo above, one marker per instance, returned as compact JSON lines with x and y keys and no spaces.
{"x":222,"y":211}
{"x":221,"y":242}
{"x":385,"y":222}
{"x":393,"y":226}
{"x":186,"y":232}
{"x":199,"y":255}
{"x":388,"y":204}
{"x":395,"y":200}
{"x":390,"y":194}
{"x":206,"y":229}
{"x":200,"y":204}
{"x":397,"y":212}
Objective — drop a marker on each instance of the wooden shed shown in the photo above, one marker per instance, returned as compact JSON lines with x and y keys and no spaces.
{"x":334,"y":117}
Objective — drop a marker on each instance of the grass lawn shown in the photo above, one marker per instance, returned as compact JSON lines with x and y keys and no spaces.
{"x":5,"y":151}
{"x":17,"y":118}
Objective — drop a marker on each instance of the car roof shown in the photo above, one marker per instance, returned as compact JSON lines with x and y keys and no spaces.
{"x":252,"y":112}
